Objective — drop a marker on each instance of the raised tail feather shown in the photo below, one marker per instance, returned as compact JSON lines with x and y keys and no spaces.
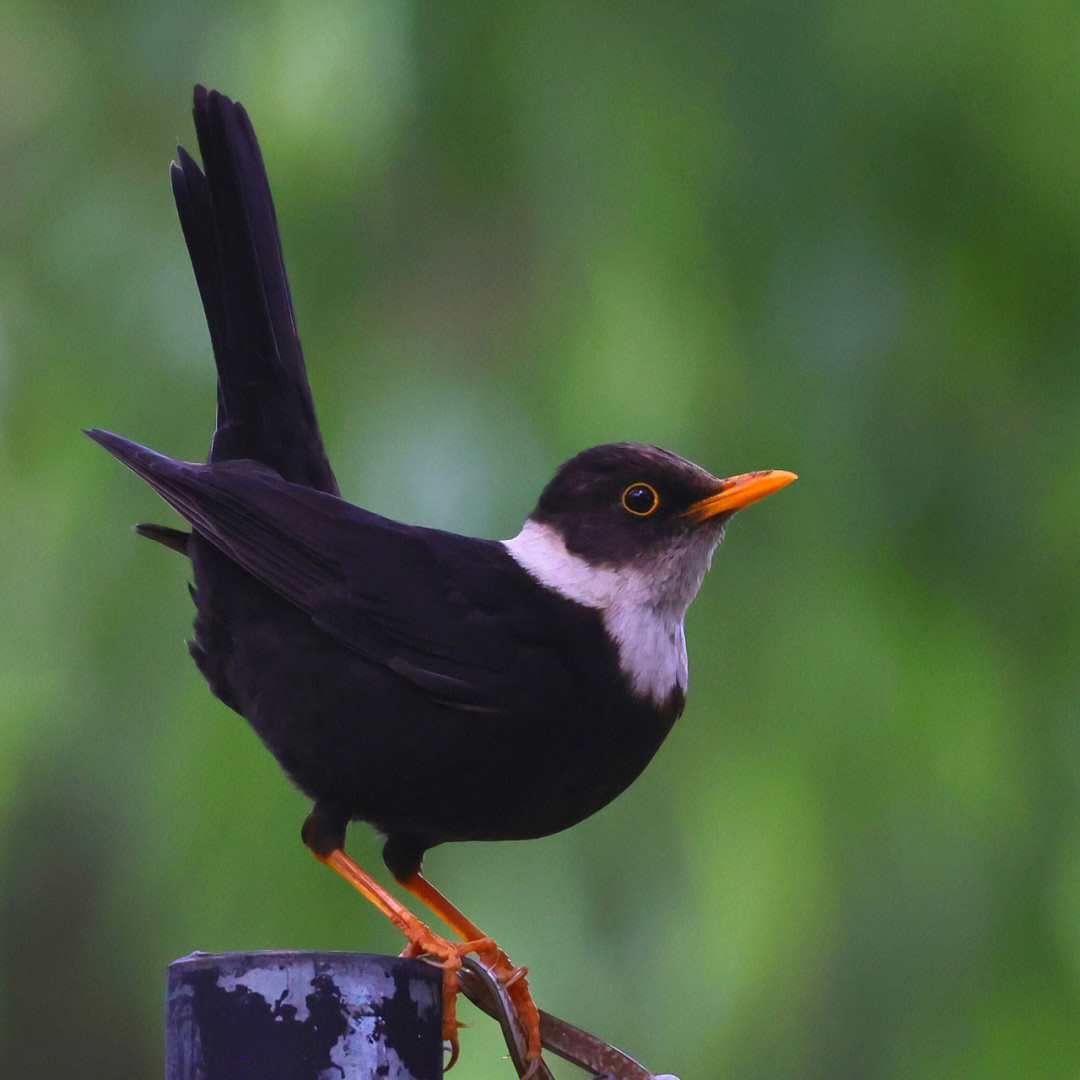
{"x":265,"y":410}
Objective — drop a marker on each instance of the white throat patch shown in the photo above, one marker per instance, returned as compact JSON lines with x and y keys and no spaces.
{"x":643,"y":607}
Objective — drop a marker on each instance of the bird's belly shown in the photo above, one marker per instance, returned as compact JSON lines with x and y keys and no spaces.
{"x":354,"y":734}
{"x":363,"y":738}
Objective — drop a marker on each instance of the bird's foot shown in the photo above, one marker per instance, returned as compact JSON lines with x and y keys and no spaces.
{"x":426,"y":944}
{"x":517,"y":989}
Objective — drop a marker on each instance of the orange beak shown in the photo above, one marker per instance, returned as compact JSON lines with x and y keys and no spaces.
{"x":738,"y":491}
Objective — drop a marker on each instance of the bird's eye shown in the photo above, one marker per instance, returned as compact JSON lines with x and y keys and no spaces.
{"x":640,"y":499}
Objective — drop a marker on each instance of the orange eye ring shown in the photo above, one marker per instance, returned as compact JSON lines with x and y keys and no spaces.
{"x":640,"y":499}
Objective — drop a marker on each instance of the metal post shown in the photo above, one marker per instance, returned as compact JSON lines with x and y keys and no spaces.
{"x":303,"y":1016}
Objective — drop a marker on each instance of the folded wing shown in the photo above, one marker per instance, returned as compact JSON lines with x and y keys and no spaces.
{"x":430,"y":605}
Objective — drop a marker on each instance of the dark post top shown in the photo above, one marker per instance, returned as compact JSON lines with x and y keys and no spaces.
{"x":303,"y":1016}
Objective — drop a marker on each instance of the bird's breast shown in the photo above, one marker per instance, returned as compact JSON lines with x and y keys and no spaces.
{"x":651,"y":646}
{"x":641,"y":611}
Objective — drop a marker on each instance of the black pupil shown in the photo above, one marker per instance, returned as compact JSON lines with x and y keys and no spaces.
{"x":640,"y":499}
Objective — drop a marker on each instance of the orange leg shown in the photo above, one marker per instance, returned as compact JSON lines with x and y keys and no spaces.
{"x":422,"y":940}
{"x":513,"y":978}
{"x":423,"y":890}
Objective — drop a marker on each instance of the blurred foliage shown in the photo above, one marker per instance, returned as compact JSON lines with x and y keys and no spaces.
{"x":841,"y":238}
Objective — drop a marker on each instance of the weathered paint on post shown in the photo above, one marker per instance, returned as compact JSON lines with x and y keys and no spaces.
{"x":303,"y":1016}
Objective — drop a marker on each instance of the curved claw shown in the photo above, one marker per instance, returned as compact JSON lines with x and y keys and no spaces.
{"x":455,"y":1049}
{"x":513,"y":976}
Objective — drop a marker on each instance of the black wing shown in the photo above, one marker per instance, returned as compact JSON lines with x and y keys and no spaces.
{"x":440,"y":610}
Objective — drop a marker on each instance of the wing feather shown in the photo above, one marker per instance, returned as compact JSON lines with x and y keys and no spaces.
{"x":422,"y":602}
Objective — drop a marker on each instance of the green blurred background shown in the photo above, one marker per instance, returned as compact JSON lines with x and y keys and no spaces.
{"x":836,"y":237}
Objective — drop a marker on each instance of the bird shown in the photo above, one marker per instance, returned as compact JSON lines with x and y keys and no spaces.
{"x":439,"y":687}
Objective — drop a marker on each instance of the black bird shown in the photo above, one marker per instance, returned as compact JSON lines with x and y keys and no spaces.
{"x":437,"y":686}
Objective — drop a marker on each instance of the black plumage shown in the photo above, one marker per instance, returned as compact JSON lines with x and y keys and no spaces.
{"x":407,"y":677}
{"x":439,"y":687}
{"x":412,"y":678}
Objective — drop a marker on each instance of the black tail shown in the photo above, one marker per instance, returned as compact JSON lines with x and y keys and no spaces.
{"x":265,"y":411}
{"x":176,"y":539}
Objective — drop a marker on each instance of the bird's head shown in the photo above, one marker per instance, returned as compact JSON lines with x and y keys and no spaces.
{"x":633,"y":524}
